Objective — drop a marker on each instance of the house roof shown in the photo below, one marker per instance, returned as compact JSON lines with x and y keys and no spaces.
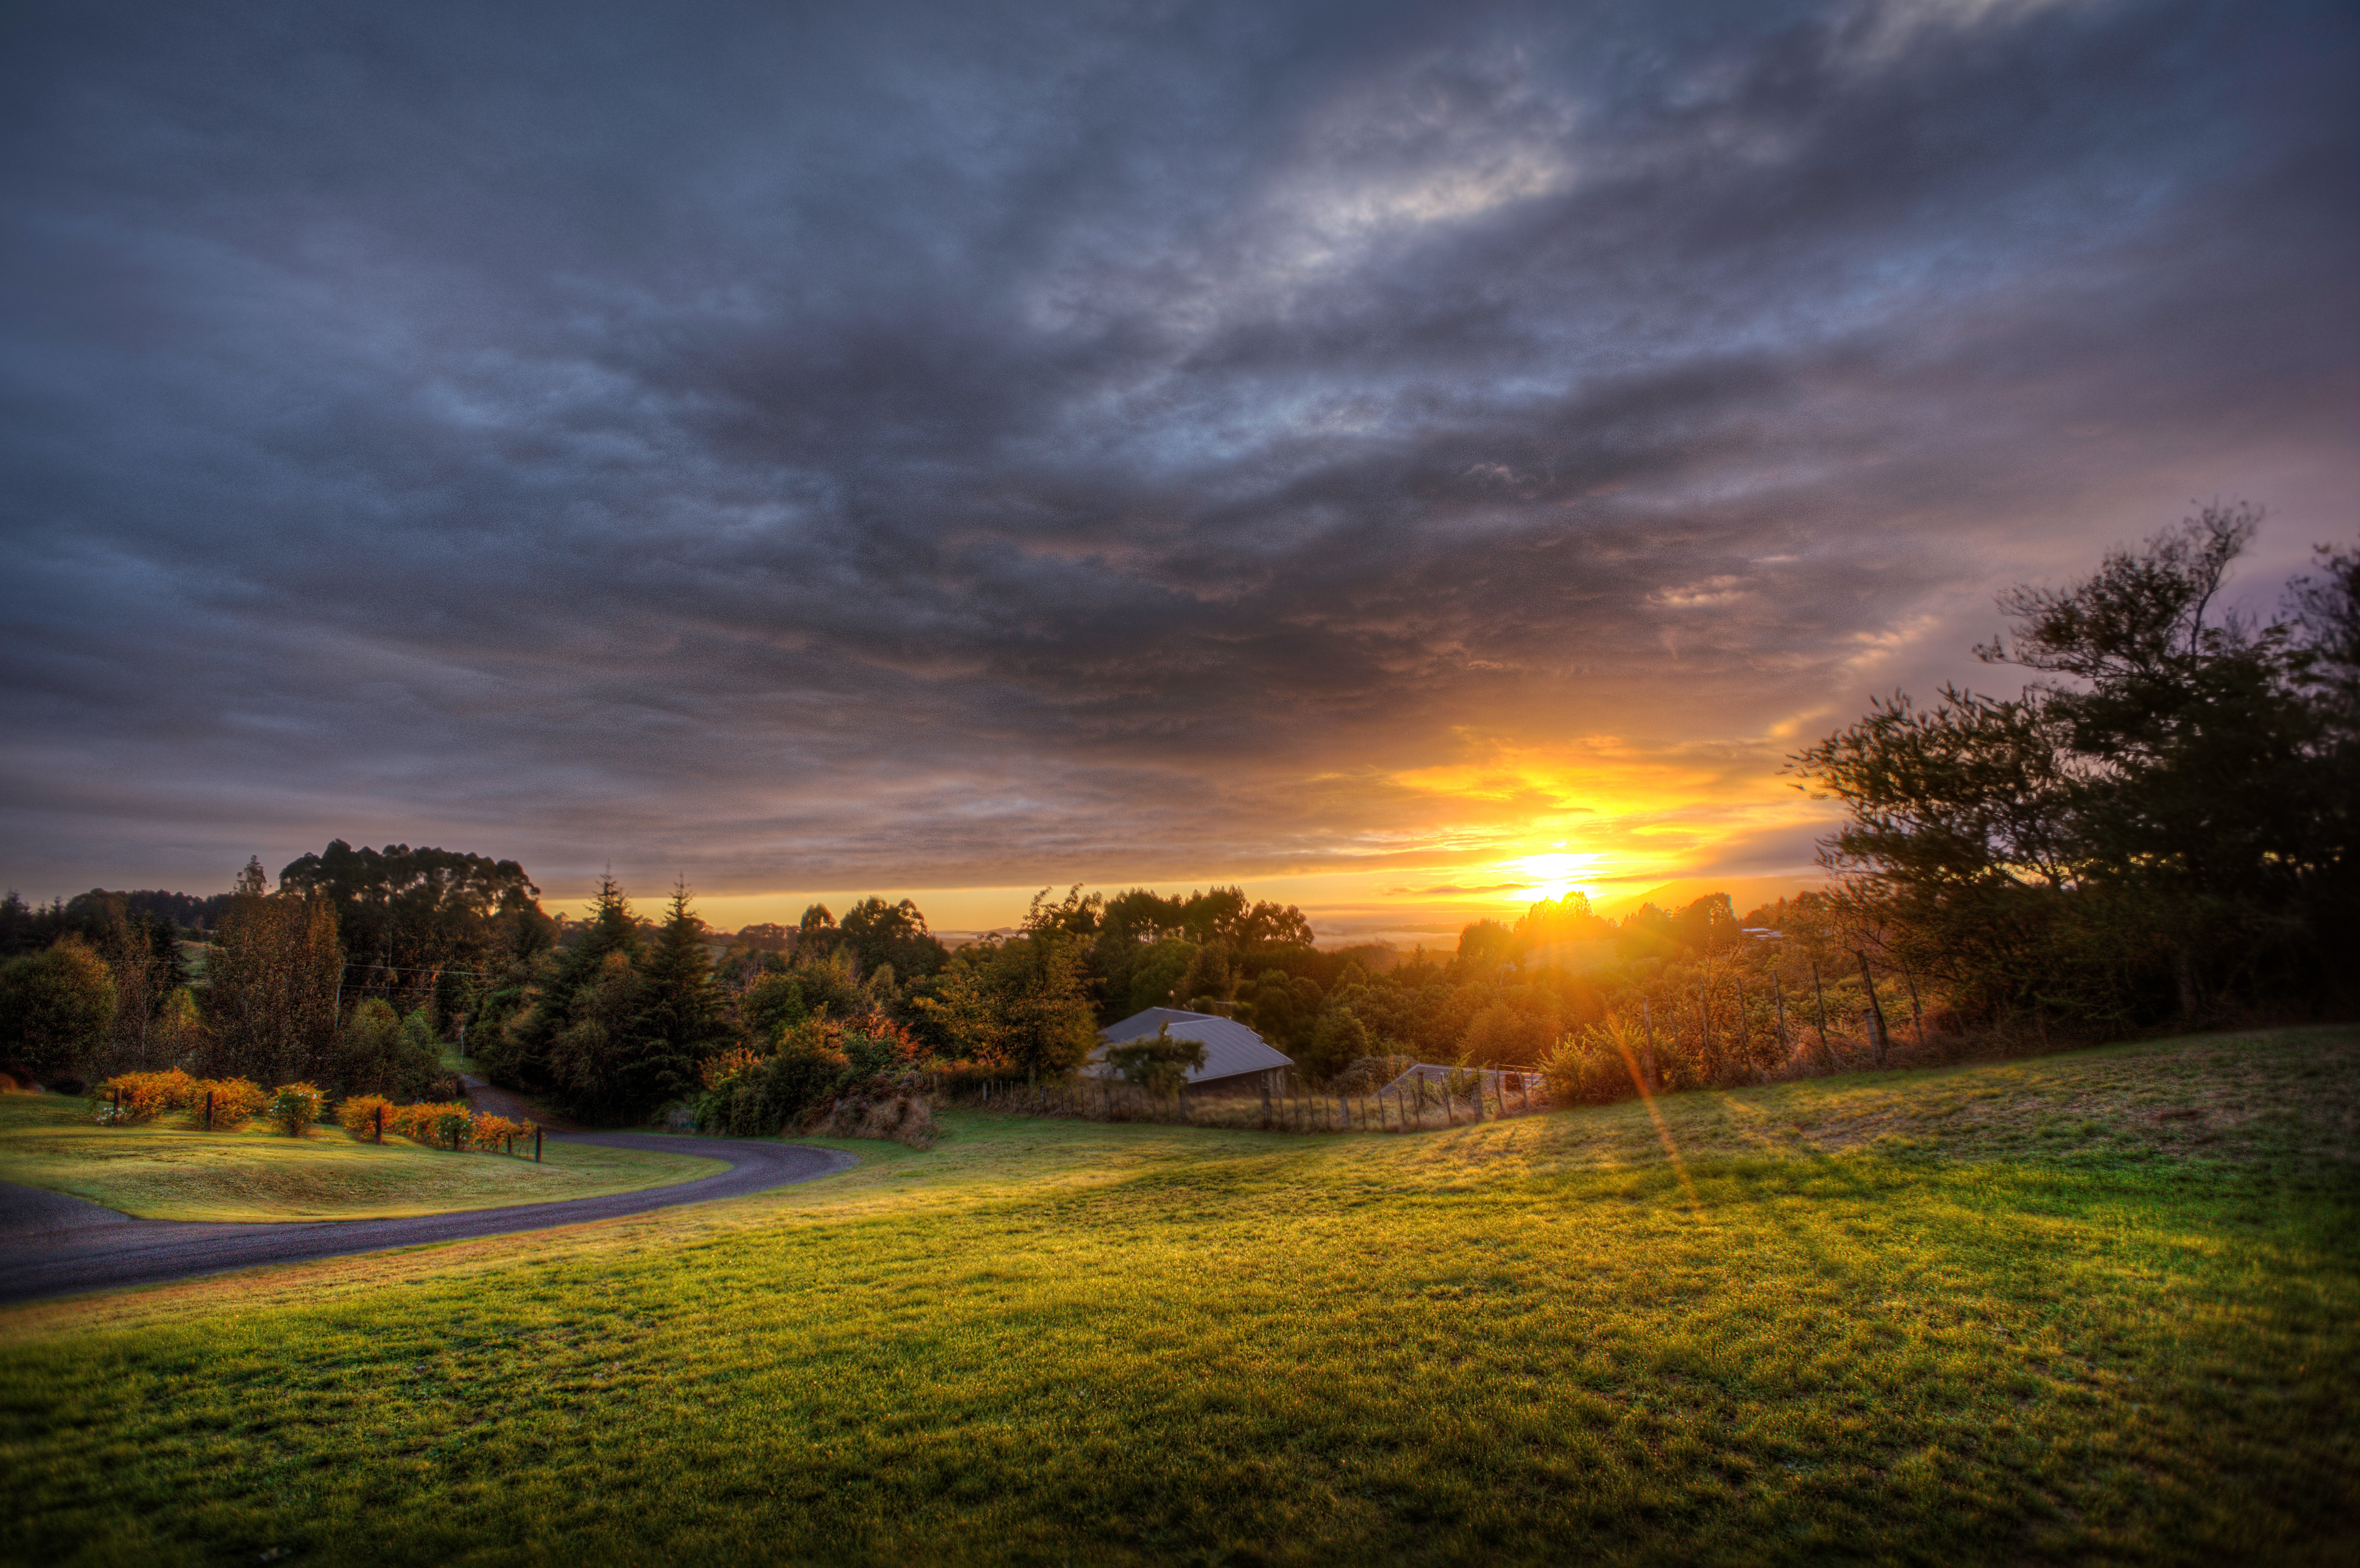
{"x":1230,"y":1047}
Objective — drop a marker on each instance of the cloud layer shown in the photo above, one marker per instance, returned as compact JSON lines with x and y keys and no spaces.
{"x":961,"y":447}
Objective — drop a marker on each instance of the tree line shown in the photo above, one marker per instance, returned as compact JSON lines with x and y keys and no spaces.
{"x":2155,"y":830}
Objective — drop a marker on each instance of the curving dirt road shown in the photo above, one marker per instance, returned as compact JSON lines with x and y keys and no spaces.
{"x":51,"y":1244}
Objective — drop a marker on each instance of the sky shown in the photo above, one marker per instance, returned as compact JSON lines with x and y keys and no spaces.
{"x":1402,"y":460}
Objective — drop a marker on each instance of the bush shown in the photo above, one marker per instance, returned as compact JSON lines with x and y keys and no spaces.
{"x":1160,"y":1064}
{"x":496,"y":1132}
{"x":887,"y":1113}
{"x":757,"y":1096}
{"x":142,"y":1096}
{"x":295,"y":1109}
{"x":236,"y":1101}
{"x":1588,"y":1069}
{"x":358,"y":1114}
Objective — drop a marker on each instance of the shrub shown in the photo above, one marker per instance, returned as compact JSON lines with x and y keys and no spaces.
{"x":452,"y":1124}
{"x":496,"y":1132}
{"x":295,"y":1107}
{"x":762,"y":1094}
{"x":358,"y":1114}
{"x":236,"y":1101}
{"x":903,"y":1118}
{"x":1160,"y":1064}
{"x":142,"y":1096}
{"x":1588,"y":1069}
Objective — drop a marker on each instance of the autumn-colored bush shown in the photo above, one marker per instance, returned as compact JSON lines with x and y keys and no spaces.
{"x":496,"y":1132}
{"x":295,"y":1109}
{"x":236,"y":1102}
{"x":143,"y":1096}
{"x":730,"y":1064}
{"x":422,"y":1122}
{"x":358,"y":1115}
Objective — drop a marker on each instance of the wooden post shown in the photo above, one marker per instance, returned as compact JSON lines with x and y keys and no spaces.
{"x":1917,"y":1014}
{"x":1647,"y":1068}
{"x":381,"y":1123}
{"x":1475,"y":1115}
{"x":1875,"y":1008}
{"x":209,"y":1110}
{"x":1820,"y":996}
{"x":1266,"y":1099}
{"x":536,"y":1144}
{"x":1778,"y":993}
{"x":1744,"y":1035}
{"x":1704,"y":1046}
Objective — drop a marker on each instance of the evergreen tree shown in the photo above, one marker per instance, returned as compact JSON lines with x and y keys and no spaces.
{"x":523,"y":1058}
{"x":680,"y":1022}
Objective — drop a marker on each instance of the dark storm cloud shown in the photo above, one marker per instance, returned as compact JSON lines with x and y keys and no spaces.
{"x":966,"y":446}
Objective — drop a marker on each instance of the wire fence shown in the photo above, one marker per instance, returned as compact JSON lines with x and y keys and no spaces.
{"x":1415,"y":1102}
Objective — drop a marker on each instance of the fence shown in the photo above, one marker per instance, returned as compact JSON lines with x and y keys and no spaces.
{"x":1412,"y":1103}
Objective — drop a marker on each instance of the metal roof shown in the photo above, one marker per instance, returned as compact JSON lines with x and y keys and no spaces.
{"x":1230,"y":1047}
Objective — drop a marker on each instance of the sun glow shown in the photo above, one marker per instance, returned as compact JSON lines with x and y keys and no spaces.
{"x":1554,"y":875}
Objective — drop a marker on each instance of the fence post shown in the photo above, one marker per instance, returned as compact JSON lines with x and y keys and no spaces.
{"x":1917,"y":1014}
{"x":1744,"y":1035}
{"x":209,"y":1110}
{"x":1819,"y":995}
{"x":1778,"y":992}
{"x":381,"y":1123}
{"x":536,"y":1143}
{"x":1875,"y":1007}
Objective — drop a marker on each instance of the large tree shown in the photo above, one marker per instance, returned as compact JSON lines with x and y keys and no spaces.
{"x":271,"y":986}
{"x":2153,"y":825}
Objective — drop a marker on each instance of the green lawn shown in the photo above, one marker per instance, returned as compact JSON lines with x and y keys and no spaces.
{"x":2096,"y":1308}
{"x":164,"y":1170}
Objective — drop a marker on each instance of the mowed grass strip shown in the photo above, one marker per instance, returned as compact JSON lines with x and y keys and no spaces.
{"x":165,"y":1170}
{"x":1966,"y":1333}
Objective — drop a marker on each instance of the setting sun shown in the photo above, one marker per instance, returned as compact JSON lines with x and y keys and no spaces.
{"x":1552,"y":876}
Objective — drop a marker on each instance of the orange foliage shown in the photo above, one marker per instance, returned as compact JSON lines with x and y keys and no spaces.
{"x":358,"y":1115}
{"x":729,"y":1064}
{"x":493,"y":1132}
{"x":236,"y":1101}
{"x":142,"y":1096}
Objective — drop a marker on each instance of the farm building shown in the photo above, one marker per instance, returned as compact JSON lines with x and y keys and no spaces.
{"x":1237,"y":1059}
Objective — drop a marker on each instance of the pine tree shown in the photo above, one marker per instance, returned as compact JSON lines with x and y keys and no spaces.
{"x":682,"y":1023}
{"x":610,"y":929}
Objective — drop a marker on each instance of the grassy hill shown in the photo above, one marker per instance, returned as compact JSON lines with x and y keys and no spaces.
{"x":2099,"y":1307}
{"x":166,"y":1171}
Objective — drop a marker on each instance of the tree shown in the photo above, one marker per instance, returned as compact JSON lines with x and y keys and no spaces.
{"x":682,"y":1024}
{"x":271,"y":985}
{"x":881,"y":934}
{"x":1019,"y":1004}
{"x":520,"y":1056}
{"x":56,"y":1007}
{"x":1158,"y":1064}
{"x":2152,"y":826}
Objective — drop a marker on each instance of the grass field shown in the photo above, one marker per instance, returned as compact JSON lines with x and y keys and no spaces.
{"x":2095,"y":1308}
{"x":163,"y":1170}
